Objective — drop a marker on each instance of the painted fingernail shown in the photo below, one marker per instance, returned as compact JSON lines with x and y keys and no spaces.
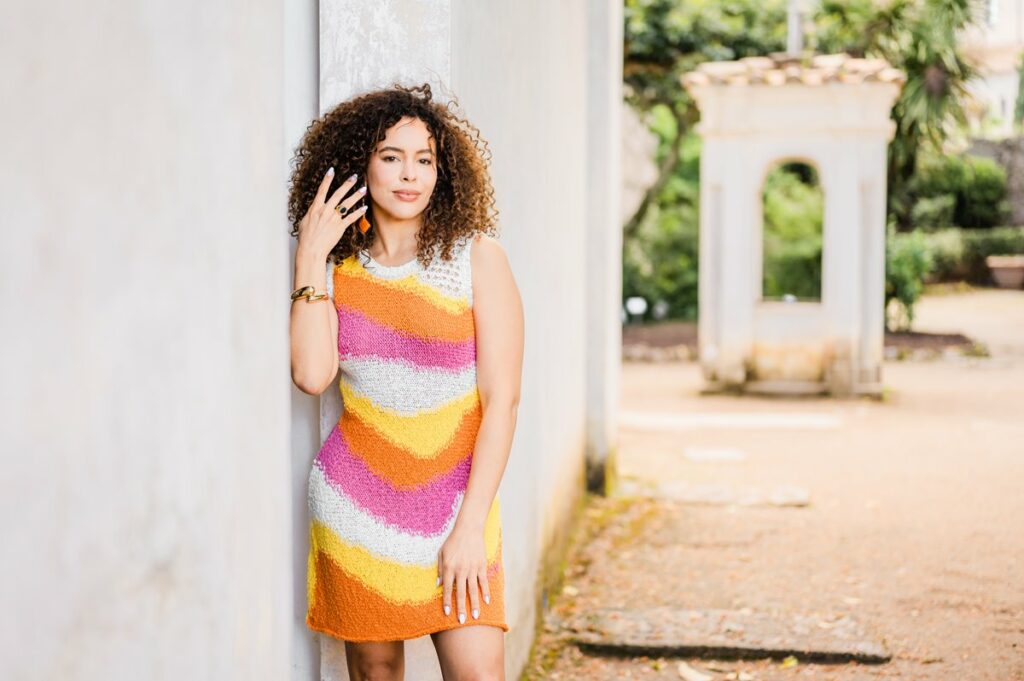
{"x":439,"y":581}
{"x":351,"y":179}
{"x":447,"y":610}
{"x":362,"y":190}
{"x":476,"y":614}
{"x":330,"y":171}
{"x":462,"y":617}
{"x":487,"y":600}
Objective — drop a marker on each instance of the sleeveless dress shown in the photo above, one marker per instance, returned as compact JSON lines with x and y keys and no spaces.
{"x":388,"y":482}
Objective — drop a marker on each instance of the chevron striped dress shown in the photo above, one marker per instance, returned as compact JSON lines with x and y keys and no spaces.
{"x":388,"y":482}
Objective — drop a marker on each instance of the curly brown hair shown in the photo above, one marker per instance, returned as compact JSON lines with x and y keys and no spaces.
{"x":462,"y":202}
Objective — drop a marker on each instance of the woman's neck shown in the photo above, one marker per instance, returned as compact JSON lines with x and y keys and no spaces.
{"x":395,"y":240}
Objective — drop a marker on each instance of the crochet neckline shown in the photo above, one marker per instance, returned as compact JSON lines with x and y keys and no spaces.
{"x":409,"y":266}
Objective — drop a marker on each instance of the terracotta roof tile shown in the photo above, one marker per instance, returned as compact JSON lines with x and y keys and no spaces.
{"x":779,"y":68}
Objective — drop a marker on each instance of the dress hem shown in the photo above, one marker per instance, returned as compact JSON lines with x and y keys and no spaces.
{"x":430,"y":630}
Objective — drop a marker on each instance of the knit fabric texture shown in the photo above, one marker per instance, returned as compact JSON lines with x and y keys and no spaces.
{"x":388,"y":482}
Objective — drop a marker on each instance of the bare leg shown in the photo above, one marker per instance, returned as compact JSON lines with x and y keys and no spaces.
{"x":375,"y":661}
{"x":471,"y":653}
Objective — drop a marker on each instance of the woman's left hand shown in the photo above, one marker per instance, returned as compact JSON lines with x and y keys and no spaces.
{"x":462,"y":563}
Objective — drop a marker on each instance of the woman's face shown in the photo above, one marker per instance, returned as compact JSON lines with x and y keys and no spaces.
{"x":403,"y":170}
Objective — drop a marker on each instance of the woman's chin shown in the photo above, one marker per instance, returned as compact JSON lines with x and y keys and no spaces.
{"x":404,"y":211}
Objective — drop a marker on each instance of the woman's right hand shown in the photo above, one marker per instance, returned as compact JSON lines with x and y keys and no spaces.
{"x":322,"y":225}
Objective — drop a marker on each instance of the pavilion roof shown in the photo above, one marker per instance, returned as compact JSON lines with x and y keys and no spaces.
{"x":781,"y":68}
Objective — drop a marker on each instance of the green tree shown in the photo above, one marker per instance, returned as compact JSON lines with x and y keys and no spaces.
{"x":666,"y":38}
{"x":920,"y":38}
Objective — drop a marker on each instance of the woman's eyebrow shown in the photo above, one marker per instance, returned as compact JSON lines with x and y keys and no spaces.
{"x":402,"y":151}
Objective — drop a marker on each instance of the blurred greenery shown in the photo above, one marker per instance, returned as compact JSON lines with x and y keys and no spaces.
{"x":666,"y":38}
{"x":967,"y":191}
{"x":793,"y":208}
{"x":660,"y":263}
{"x":1018,"y":107}
{"x":959,"y":254}
{"x":907,"y":262}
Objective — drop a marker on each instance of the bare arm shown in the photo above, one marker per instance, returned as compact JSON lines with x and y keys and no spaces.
{"x":314,"y":326}
{"x":314,"y":329}
{"x":498,"y":314}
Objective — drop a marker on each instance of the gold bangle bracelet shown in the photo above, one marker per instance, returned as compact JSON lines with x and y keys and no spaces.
{"x":309,"y":293}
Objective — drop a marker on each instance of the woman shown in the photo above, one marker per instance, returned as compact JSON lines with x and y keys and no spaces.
{"x":401,"y":285}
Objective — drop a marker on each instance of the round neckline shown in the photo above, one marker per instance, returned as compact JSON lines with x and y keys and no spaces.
{"x":394,"y":269}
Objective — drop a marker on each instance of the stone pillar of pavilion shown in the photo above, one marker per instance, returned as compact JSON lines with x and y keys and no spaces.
{"x":831,"y":112}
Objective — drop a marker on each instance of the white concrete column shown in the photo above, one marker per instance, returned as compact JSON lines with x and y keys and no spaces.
{"x":741,"y":194}
{"x":841,"y":261}
{"x":603,"y":233}
{"x":872,"y":233}
{"x":709,"y":334}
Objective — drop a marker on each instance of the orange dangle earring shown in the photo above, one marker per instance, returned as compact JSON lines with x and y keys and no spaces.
{"x":364,"y":224}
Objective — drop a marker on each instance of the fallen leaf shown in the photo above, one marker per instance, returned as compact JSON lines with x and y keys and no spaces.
{"x":688,"y":673}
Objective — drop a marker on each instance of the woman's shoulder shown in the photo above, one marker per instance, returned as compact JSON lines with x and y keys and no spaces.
{"x":485,"y":250}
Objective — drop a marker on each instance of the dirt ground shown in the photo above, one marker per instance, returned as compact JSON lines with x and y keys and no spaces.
{"x":914,"y":524}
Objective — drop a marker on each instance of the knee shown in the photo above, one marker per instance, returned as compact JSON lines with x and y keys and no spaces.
{"x":377,"y":669}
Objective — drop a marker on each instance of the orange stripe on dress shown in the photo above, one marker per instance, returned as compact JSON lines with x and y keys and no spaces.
{"x":403,"y":310}
{"x":395,"y":463}
{"x":374,"y":618}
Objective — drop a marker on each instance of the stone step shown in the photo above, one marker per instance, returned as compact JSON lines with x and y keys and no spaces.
{"x":724,"y":634}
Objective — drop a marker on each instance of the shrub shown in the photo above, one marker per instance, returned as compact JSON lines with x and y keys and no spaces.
{"x":977,"y":186}
{"x":982,"y":202}
{"x":932,"y":212}
{"x":959,"y":254}
{"x":907,"y":262}
{"x":938,"y":176}
{"x":981,"y":243}
{"x":946,"y":248}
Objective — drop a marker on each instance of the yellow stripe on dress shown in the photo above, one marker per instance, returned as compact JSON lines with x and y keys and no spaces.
{"x":395,"y":582}
{"x":424,"y":434}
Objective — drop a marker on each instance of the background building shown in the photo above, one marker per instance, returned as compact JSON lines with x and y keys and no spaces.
{"x":995,"y":44}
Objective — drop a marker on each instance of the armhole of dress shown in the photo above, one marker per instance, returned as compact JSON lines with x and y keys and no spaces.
{"x":467,"y":266}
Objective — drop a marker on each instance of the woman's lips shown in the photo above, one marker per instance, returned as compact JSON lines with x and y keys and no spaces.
{"x":407,"y":196}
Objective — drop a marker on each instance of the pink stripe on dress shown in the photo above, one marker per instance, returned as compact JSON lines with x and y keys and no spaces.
{"x":424,"y":511}
{"x":358,"y":335}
